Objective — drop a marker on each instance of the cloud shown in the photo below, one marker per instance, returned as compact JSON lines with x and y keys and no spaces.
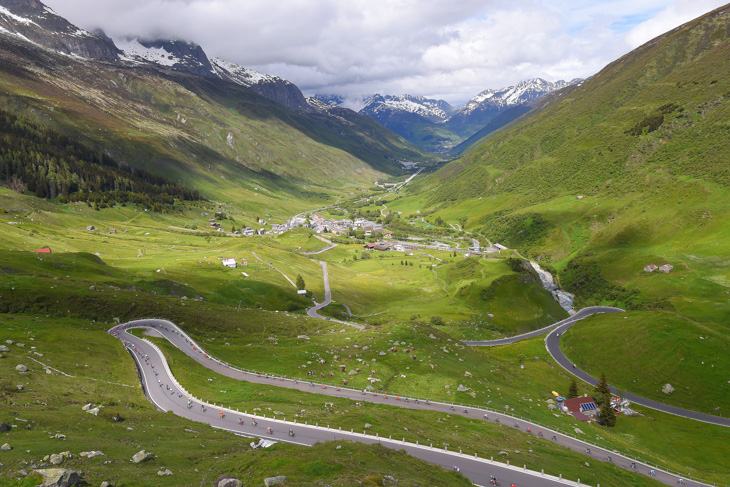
{"x":673,"y":16}
{"x":449,"y":50}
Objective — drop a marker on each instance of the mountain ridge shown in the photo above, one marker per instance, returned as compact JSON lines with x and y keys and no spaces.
{"x":437,"y":126}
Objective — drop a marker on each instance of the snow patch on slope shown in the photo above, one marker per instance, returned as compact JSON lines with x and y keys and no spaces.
{"x":136,"y":52}
{"x":238,"y":74}
{"x":17,"y":18}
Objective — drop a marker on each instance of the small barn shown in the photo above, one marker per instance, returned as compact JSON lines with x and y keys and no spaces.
{"x":582,"y":408}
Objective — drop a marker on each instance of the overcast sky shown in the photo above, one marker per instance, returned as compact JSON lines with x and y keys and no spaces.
{"x":447,"y":49}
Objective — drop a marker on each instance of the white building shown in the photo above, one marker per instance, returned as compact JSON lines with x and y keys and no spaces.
{"x":230,"y":263}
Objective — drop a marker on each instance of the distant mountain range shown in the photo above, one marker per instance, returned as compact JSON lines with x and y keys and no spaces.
{"x":436,"y":126}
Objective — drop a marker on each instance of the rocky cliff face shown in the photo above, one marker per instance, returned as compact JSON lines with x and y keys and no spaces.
{"x":187,"y":56}
{"x":34,"y":21}
{"x":274,"y":88}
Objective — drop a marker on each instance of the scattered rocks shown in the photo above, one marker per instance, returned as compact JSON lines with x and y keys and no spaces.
{"x":9,"y":342}
{"x":467,"y":374}
{"x":23,"y":473}
{"x":278,"y":480}
{"x":490,"y":315}
{"x":5,"y":446}
{"x":578,"y":431}
{"x":388,"y":480}
{"x":367,"y":426}
{"x":587,"y":464}
{"x":381,"y":353}
{"x":58,"y":436}
{"x":162,"y":473}
{"x":432,"y":337}
{"x":19,"y":387}
{"x":4,"y":427}
{"x":352,"y":372}
{"x":550,"y":401}
{"x":667,"y":389}
{"x":462,"y":388}
{"x":141,"y":456}
{"x":106,"y":484}
{"x":3,"y":348}
{"x":58,"y":477}
{"x":21,"y":368}
{"x":339,"y":447}
{"x":86,"y":407}
{"x":551,"y":406}
{"x":503,"y":453}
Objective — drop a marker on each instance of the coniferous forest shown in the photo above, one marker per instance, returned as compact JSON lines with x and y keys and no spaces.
{"x":48,"y":164}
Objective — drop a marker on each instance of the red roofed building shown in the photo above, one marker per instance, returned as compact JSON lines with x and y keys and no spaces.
{"x":44,"y":250}
{"x":582,"y":408}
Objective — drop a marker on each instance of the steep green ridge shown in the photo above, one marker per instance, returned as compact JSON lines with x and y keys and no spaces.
{"x":217,"y":137}
{"x":628,"y":170}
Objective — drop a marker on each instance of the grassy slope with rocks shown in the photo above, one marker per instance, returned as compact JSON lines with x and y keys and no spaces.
{"x":627,"y":170}
{"x":104,"y":374}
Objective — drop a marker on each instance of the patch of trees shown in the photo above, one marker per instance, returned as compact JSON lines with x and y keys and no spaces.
{"x":520,"y":230}
{"x":652,"y":122}
{"x":52,"y":165}
{"x":585,"y":279}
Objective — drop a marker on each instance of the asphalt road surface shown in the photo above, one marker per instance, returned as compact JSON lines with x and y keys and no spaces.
{"x":552,"y":343}
{"x":313,"y":311}
{"x":584,"y":313}
{"x":163,"y":390}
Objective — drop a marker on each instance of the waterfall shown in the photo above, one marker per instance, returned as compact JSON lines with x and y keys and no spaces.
{"x":564,"y":298}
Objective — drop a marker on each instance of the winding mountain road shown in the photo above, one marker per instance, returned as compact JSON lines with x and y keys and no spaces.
{"x":552,"y":343}
{"x":163,"y":390}
{"x":313,"y":311}
{"x":584,"y":313}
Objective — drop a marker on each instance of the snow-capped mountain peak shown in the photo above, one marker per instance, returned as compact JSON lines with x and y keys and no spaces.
{"x":522,"y":92}
{"x":433,"y":110}
{"x":172,"y":53}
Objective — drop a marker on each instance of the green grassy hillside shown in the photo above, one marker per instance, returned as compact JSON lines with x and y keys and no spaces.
{"x":629,"y":169}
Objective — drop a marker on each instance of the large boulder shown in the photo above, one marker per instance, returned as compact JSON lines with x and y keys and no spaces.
{"x":278,"y":480}
{"x":141,"y":456}
{"x":229,"y":482}
{"x":3,"y":348}
{"x":21,"y":368}
{"x":5,"y":446}
{"x":667,"y":389}
{"x":58,"y":477}
{"x":55,"y":459}
{"x":462,"y":388}
{"x":164,"y":471}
